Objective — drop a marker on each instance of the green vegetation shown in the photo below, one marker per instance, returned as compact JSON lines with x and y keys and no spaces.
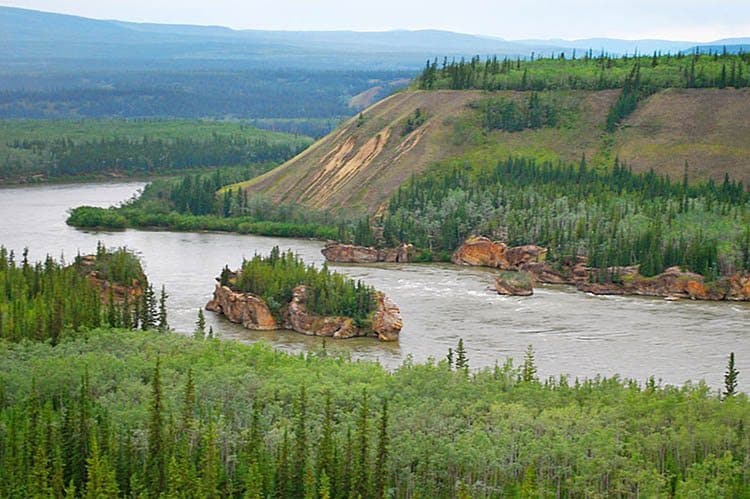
{"x":638,"y":77}
{"x":50,"y":300}
{"x":328,"y":293}
{"x":59,"y":149}
{"x":413,"y":122}
{"x":142,"y":414}
{"x":613,"y":216}
{"x":503,"y":113}
{"x":193,"y":202}
{"x":590,"y":72}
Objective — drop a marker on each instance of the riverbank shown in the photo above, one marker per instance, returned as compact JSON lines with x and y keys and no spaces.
{"x":527,"y":265}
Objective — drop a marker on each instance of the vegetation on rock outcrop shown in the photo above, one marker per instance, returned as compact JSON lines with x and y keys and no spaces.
{"x":48,"y":300}
{"x":275,"y":276}
{"x":614,"y":217}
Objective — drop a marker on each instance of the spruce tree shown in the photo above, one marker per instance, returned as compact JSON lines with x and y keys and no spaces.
{"x":200,"y":326}
{"x":381,"y":478}
{"x":209,"y":465}
{"x":299,"y":464}
{"x":360,"y":486}
{"x":528,"y":371}
{"x":326,"y":444}
{"x":462,"y":362}
{"x":163,"y":324}
{"x":100,"y":482}
{"x":730,"y":378}
{"x":188,"y":402}
{"x":155,"y":460}
{"x":148,"y":308}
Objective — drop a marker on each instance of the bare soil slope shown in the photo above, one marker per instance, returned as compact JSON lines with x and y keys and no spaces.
{"x":362,"y":162}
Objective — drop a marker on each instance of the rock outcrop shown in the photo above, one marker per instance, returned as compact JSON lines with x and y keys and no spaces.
{"x":349,"y":253}
{"x":386,"y":322}
{"x":484,"y":252}
{"x":673,"y":283}
{"x":242,"y":308}
{"x":118,"y":291}
{"x":298,"y":318}
{"x":253,"y":313}
{"x":515,"y":284}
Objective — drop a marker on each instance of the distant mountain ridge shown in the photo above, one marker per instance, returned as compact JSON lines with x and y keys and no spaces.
{"x":35,"y":35}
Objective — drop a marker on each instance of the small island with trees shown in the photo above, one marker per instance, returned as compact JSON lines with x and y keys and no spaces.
{"x":280,"y":291}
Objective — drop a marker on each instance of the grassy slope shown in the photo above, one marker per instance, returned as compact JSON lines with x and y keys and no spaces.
{"x":351,"y":168}
{"x":709,"y":128}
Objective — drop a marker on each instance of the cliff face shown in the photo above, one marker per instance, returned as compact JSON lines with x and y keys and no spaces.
{"x":483,"y":252}
{"x":242,"y":308}
{"x":253,"y":313}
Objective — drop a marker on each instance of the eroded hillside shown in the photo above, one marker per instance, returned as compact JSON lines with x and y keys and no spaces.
{"x":357,"y":167}
{"x":361,"y":163}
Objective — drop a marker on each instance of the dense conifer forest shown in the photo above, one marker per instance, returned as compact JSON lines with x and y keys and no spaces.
{"x":54,"y":149}
{"x":613,"y":216}
{"x":273,"y":277}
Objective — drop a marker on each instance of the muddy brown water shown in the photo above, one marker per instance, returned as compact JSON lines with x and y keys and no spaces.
{"x":571,"y":332}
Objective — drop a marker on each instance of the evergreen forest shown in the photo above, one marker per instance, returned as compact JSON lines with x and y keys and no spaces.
{"x":34,"y":150}
{"x":613,"y":216}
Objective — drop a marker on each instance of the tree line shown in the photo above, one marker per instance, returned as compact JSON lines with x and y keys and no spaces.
{"x":590,"y":72}
{"x":145,"y":155}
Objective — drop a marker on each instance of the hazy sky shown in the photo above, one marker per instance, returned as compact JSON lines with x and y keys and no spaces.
{"x":698,"y":20}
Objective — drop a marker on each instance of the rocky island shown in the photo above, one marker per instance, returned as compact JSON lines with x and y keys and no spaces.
{"x":281,"y":292}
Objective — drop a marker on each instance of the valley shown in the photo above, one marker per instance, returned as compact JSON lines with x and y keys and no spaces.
{"x":337,"y":262}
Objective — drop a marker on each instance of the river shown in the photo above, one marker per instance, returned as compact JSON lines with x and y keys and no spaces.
{"x":571,"y":332}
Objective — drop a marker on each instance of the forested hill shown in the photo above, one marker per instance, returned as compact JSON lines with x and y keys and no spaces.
{"x":652,"y":112}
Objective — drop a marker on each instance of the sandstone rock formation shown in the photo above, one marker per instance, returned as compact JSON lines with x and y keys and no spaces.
{"x":242,"y":308}
{"x":386,"y":322}
{"x":253,"y":313}
{"x":349,"y":253}
{"x":673,"y":282}
{"x":482,"y":252}
{"x":298,"y":318}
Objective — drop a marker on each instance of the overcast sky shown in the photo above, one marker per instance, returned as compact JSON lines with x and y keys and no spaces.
{"x":698,"y":20}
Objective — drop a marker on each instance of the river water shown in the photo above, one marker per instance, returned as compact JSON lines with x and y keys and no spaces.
{"x":571,"y":332}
